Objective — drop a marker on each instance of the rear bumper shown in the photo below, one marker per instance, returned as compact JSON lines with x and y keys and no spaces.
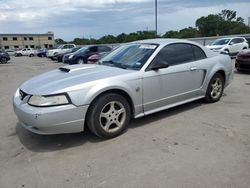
{"x":50,"y":120}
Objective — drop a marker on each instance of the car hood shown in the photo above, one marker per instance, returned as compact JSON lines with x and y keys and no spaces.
{"x":58,"y":81}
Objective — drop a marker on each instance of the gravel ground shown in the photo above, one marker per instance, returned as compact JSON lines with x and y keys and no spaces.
{"x":193,"y":145}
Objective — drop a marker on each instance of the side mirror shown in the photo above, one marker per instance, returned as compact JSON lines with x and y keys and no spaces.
{"x":159,"y":65}
{"x":231,"y":43}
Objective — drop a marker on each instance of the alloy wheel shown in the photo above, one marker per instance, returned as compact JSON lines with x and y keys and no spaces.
{"x":216,"y":88}
{"x":113,"y":116}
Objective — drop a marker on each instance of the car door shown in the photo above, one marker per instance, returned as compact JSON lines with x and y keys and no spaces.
{"x":24,"y":51}
{"x":234,"y":45}
{"x":180,"y":81}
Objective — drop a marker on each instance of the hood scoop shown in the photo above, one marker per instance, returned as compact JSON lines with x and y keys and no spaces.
{"x":73,"y":68}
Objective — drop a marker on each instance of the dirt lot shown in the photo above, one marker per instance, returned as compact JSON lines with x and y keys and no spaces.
{"x":194,"y":145}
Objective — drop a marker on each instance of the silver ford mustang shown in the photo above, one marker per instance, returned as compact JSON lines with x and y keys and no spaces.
{"x":135,"y":80}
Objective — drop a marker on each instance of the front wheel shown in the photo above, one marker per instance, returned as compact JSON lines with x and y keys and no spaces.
{"x":109,"y":115}
{"x":80,"y":61}
{"x":215,"y":88}
{"x":3,"y":60}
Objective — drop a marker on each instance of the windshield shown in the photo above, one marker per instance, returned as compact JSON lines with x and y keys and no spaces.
{"x":131,"y":56}
{"x":221,"y":42}
{"x":59,"y":47}
{"x":81,"y":50}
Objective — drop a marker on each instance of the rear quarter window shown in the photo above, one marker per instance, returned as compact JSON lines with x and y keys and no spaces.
{"x":198,"y":53}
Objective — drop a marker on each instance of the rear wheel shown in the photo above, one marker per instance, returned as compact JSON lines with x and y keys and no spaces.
{"x":215,"y":88}
{"x":109,"y":115}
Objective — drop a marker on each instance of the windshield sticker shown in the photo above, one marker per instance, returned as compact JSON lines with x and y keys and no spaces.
{"x":148,"y":46}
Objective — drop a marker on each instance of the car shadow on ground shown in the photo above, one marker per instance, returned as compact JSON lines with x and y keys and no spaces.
{"x":46,"y":143}
{"x":245,"y":72}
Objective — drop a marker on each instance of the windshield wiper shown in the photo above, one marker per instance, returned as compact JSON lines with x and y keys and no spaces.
{"x":110,"y":62}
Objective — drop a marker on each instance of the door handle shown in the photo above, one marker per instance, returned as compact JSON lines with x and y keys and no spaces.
{"x":193,"y":68}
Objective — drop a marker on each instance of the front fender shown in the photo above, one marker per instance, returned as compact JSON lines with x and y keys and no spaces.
{"x":87,"y":95}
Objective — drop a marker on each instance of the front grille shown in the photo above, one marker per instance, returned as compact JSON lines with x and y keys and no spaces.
{"x":22,"y":94}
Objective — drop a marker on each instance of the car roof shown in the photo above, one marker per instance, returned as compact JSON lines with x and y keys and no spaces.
{"x":164,"y":41}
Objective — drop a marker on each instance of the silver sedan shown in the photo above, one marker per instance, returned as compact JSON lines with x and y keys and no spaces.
{"x":135,"y":80}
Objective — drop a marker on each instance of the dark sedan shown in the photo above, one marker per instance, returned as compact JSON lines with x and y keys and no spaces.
{"x":4,"y":57}
{"x":242,"y":62}
{"x":60,"y":56}
{"x":41,"y":52}
{"x":81,"y":56}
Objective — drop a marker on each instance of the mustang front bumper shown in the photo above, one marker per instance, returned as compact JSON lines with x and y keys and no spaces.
{"x":49,"y":120}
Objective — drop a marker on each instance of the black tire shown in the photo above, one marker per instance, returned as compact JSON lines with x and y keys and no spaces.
{"x":226,"y":50}
{"x":80,"y":61}
{"x":31,"y":55}
{"x":109,"y":115}
{"x":215,"y":91}
{"x":237,"y":67}
{"x":59,"y":59}
{"x":3,"y":60}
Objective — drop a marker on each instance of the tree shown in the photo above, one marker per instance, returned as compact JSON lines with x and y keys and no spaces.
{"x":59,"y":41}
{"x":189,"y":32}
{"x":224,"y":23}
{"x":209,"y":26}
{"x":171,"y":34}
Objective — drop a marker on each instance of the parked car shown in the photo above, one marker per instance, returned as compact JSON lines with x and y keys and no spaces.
{"x":60,"y":56}
{"x":232,"y":46}
{"x":4,"y":57}
{"x":31,"y":53}
{"x":81,"y":56}
{"x":10,"y":52}
{"x":42,"y":52}
{"x":242,"y":62}
{"x":96,"y":57}
{"x":61,"y":49}
{"x":23,"y":52}
{"x":135,"y":80}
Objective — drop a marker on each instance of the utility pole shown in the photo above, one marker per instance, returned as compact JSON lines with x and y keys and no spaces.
{"x":156,"y":31}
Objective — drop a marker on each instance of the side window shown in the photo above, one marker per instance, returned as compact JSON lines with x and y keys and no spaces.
{"x":65,"y":46}
{"x":103,"y":49}
{"x":198,"y":53}
{"x":93,"y":49}
{"x":240,"y":40}
{"x":233,"y":41}
{"x":175,"y":54}
{"x":70,"y":46}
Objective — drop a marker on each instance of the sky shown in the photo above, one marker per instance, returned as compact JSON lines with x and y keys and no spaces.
{"x":69,"y":19}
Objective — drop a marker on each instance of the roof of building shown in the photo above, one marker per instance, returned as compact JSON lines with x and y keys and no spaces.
{"x":25,"y":34}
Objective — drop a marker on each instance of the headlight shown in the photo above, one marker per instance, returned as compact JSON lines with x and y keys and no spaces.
{"x":71,"y":56}
{"x":52,"y":100}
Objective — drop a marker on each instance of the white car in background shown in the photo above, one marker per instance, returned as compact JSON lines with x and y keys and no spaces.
{"x":23,"y":52}
{"x":31,"y":53}
{"x":231,"y":46}
{"x":10,"y":52}
{"x":61,"y":49}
